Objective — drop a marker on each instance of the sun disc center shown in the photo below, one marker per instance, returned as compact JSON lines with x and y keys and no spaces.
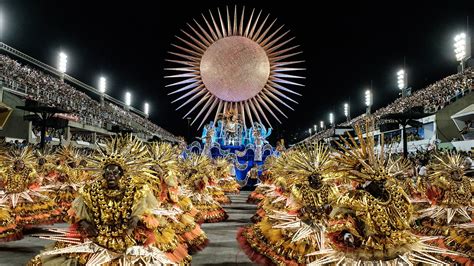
{"x":235,"y":68}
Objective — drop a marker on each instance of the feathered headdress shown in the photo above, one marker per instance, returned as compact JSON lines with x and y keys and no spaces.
{"x":126,"y":151}
{"x":164,"y":158}
{"x":69,"y":154}
{"x":445,"y":165}
{"x":10,"y":155}
{"x":302,"y":162}
{"x":164,"y":154}
{"x":195,"y":167}
{"x":360,"y":160}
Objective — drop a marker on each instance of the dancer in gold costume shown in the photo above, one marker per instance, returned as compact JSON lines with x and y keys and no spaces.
{"x":195,"y":173}
{"x":451,"y":212}
{"x":370,"y":223}
{"x":227,"y":182}
{"x":21,"y":191}
{"x":116,"y":219}
{"x":70,"y":177}
{"x":166,"y":189}
{"x":290,"y":231}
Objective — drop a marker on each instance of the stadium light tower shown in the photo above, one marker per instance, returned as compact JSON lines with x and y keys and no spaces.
{"x":315,"y":128}
{"x":462,"y":48}
{"x":2,"y":25}
{"x":102,"y":89}
{"x":128,"y":100}
{"x":346,"y":112}
{"x":402,"y":81}
{"x":368,"y":100}
{"x":309,"y":130}
{"x":331,"y":119}
{"x":321,"y":125}
{"x":62,"y":64}
{"x":102,"y":84}
{"x":146,"y":109}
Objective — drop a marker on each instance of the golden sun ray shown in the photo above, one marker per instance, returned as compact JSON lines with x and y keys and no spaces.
{"x":235,"y":61}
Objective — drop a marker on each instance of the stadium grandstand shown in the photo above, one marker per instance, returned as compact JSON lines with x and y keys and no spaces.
{"x":448,"y":108}
{"x":90,"y":115}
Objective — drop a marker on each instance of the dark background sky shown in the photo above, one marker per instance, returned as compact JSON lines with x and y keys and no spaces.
{"x":345,"y":47}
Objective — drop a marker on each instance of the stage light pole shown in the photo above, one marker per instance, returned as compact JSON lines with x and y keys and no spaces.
{"x":346,"y":112}
{"x":146,"y":110}
{"x":128,"y":100}
{"x":331,"y":119}
{"x":102,"y":89}
{"x":402,"y":81}
{"x":462,"y":48}
{"x":62,"y":64}
{"x":368,"y":100}
{"x":2,"y":25}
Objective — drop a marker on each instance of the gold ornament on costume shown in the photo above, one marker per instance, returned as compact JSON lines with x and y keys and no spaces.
{"x":18,"y":169}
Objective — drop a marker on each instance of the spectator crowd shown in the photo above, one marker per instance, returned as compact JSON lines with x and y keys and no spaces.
{"x":52,"y":91}
{"x":431,"y":98}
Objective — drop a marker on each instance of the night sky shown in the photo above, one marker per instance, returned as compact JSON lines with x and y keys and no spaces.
{"x":345,"y":47}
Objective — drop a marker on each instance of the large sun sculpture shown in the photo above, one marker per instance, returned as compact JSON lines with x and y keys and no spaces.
{"x":235,"y":65}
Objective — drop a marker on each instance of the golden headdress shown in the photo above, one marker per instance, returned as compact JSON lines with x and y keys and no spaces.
{"x":163,"y":154}
{"x":302,"y":162}
{"x":195,"y":167}
{"x":47,"y":153}
{"x":10,"y":155}
{"x":360,"y":160}
{"x":126,"y":151}
{"x":164,"y":158}
{"x":69,"y":154}
{"x":445,"y":165}
{"x":221,"y":165}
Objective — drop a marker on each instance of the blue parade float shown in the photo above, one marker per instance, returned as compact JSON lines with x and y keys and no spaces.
{"x":245,"y":147}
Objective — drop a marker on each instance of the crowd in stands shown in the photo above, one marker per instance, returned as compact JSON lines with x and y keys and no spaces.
{"x":432,"y":98}
{"x":52,"y":91}
{"x":50,"y":133}
{"x":82,"y":136}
